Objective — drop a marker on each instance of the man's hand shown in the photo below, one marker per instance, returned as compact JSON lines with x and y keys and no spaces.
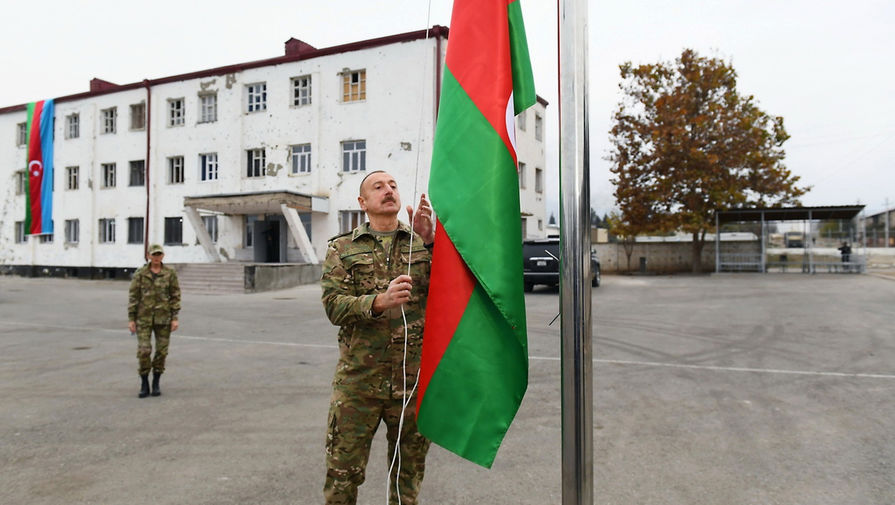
{"x":174,"y":325}
{"x":132,"y":326}
{"x":424,"y":226}
{"x":398,"y":293}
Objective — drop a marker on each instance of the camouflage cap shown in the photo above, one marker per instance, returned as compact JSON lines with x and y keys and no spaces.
{"x":156,"y":248}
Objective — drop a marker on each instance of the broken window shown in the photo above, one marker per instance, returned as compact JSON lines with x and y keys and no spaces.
{"x":109,"y":119}
{"x":255,"y":166}
{"x":108,"y":173}
{"x":354,"y":85}
{"x":175,"y":170}
{"x":138,"y":116}
{"x":301,"y":90}
{"x":257,"y":96}
{"x":208,"y":166}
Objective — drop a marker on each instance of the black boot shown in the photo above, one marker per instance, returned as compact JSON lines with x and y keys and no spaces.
{"x":144,"y":386}
{"x":155,"y":389}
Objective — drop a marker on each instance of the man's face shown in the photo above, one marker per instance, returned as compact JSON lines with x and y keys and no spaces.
{"x":157,"y":258}
{"x":379,"y":195}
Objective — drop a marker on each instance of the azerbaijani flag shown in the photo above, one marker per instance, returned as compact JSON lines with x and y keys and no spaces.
{"x":39,"y":198}
{"x":474,"y":368}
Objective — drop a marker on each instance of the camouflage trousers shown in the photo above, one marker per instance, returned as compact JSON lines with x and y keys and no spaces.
{"x":352,"y":423}
{"x":144,"y":347}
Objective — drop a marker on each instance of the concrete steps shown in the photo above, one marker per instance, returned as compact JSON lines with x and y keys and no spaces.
{"x":212,"y":278}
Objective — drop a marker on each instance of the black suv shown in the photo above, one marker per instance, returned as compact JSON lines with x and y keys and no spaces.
{"x":540,"y":263}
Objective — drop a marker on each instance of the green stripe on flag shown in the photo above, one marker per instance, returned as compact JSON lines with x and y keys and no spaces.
{"x":478,"y":385}
{"x":30,"y":110}
{"x":475,"y":192}
{"x":523,"y":80}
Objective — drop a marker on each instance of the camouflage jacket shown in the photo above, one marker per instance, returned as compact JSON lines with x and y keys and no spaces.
{"x":154,"y":300}
{"x":357,"y":268}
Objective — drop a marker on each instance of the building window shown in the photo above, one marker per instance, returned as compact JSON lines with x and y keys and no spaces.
{"x":138,"y":116}
{"x":175,"y":170}
{"x":350,"y":219}
{"x":539,"y":180}
{"x":211,"y":226}
{"x":175,"y":112}
{"x":539,"y":127}
{"x":301,"y":159}
{"x":135,"y":230}
{"x":108,"y":175}
{"x":20,"y":232}
{"x":72,"y":231}
{"x":208,"y":167}
{"x":301,"y":90}
{"x":71,"y":177}
{"x":208,"y":107}
{"x":46,"y":238}
{"x":21,"y":182}
{"x":138,"y":173}
{"x":173,"y":231}
{"x":106,"y":231}
{"x":21,"y":134}
{"x":540,"y":225}
{"x":72,"y":126}
{"x":255,"y":165}
{"x":354,"y":156}
{"x":257,"y":96}
{"x":109,"y":120}
{"x":521,"y":175}
{"x":524,"y":227}
{"x":354,"y":85}
{"x":520,"y":120}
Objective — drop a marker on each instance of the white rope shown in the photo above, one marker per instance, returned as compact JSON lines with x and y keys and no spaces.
{"x":396,"y":457}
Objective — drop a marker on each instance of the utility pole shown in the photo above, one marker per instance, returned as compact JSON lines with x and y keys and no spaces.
{"x":887,"y":222}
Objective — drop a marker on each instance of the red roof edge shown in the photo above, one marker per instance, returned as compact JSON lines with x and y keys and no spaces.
{"x":305,"y":52}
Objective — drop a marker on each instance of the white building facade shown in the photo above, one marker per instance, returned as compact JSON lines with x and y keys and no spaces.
{"x":256,"y":162}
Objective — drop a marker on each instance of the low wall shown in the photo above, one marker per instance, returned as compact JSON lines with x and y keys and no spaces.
{"x":267,"y":277}
{"x":663,"y":257}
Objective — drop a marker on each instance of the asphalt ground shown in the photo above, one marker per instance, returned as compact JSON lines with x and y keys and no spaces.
{"x":722,"y":389}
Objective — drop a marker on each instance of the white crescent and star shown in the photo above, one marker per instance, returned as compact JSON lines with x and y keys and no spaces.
{"x":39,"y":168}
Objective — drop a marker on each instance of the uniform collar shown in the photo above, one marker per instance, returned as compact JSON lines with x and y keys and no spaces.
{"x":364,"y":229}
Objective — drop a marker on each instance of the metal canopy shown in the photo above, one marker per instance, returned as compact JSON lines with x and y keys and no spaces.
{"x":262,"y":202}
{"x":845,"y":212}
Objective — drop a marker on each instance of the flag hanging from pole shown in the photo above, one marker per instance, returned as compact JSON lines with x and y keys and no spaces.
{"x":39,"y":197}
{"x":474,"y":369}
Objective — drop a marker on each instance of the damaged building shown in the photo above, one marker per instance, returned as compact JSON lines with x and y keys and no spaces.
{"x":255,"y":163}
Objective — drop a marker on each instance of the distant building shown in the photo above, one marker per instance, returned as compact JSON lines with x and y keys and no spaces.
{"x":874,"y":228}
{"x":252,"y":162}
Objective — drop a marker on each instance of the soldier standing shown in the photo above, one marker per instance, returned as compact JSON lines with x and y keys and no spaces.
{"x":365,"y":283}
{"x":153,"y":305}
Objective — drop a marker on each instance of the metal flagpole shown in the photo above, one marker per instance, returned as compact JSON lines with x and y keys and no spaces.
{"x":575,"y":287}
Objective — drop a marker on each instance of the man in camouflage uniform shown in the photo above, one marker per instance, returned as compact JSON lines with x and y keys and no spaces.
{"x":365,"y":283}
{"x":153,"y":305}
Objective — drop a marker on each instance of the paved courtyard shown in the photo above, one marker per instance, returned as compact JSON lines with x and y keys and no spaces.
{"x":723,"y":389}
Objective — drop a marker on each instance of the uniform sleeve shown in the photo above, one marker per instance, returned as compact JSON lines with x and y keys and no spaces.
{"x":174,"y":295}
{"x":133,"y":299}
{"x":342,"y":307}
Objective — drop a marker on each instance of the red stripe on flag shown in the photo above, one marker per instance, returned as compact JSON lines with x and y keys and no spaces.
{"x":480,"y":37}
{"x":450,"y":286}
{"x":35,"y":169}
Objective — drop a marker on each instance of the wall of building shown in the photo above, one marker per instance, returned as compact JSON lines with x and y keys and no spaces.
{"x":530,"y":151}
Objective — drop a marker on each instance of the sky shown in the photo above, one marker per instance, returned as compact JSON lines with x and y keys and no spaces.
{"x":827,"y":67}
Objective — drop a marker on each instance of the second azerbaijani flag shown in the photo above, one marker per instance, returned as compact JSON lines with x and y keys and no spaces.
{"x":474,"y":369}
{"x":39,"y":197}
